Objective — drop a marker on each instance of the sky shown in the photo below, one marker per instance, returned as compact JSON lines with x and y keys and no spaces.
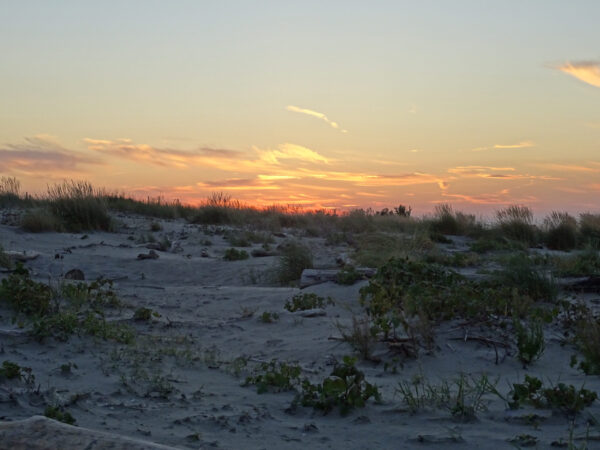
{"x":337,"y":104}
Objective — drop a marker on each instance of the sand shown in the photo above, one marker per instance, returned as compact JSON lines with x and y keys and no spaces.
{"x":181,"y":383}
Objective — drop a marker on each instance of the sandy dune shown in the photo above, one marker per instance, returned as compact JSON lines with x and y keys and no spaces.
{"x":180,"y":383}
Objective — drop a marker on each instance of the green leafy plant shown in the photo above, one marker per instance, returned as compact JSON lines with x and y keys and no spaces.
{"x":345,"y":388}
{"x":233,"y":254}
{"x":275,"y":376}
{"x":142,"y":314}
{"x":530,"y":340}
{"x":10,"y":371}
{"x":560,"y":397}
{"x":305,"y":301}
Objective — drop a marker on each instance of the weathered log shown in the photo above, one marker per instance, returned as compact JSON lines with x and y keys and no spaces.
{"x":311,"y":277}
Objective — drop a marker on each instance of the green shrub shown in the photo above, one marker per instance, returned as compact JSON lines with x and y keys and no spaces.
{"x":39,"y":221}
{"x":233,"y":254}
{"x":304,"y":301}
{"x":357,"y":221}
{"x":5,"y":260}
{"x":24,"y":295}
{"x":586,"y":263}
{"x":78,"y":206}
{"x":294,"y":259}
{"x":155,"y":226}
{"x":587,"y":339}
{"x":269,"y":317}
{"x":348,"y":276}
{"x":345,"y":388}
{"x":589,"y":229}
{"x":59,"y":326}
{"x":275,"y":376}
{"x":444,"y":221}
{"x":59,"y":414}
{"x":560,"y":231}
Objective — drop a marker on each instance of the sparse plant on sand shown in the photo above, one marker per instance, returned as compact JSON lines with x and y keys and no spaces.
{"x":60,"y":414}
{"x":307,"y":300}
{"x":233,"y":254}
{"x":530,"y":340}
{"x":269,"y":317}
{"x":275,"y":376}
{"x":463,"y":397}
{"x":362,"y":336}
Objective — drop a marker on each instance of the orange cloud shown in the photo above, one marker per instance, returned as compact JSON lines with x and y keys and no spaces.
{"x":500,"y":198}
{"x":586,"y":71}
{"x":318,"y":115}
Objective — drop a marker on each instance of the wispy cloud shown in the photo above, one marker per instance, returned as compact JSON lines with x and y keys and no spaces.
{"x":290,"y":151}
{"x":42,"y":154}
{"x":591,"y":167}
{"x":586,"y":71}
{"x":500,"y":198}
{"x":127,"y":149}
{"x":318,"y":115}
{"x":521,"y":144}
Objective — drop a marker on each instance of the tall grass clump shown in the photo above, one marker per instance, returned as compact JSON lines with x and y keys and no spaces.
{"x":521,"y":273}
{"x":10,"y":189}
{"x":39,"y":220}
{"x":447,"y":221}
{"x":589,"y":229}
{"x":294,"y":259}
{"x":516,"y":222}
{"x":78,"y":206}
{"x":560,"y":231}
{"x":151,"y":207}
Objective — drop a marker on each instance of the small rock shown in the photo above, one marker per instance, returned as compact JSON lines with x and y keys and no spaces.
{"x":204,"y":253}
{"x":75,"y":274}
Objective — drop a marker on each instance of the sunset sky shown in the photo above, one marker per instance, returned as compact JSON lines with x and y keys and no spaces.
{"x":324,"y":104}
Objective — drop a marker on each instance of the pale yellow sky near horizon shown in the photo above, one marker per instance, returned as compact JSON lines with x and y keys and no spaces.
{"x":334,"y":105}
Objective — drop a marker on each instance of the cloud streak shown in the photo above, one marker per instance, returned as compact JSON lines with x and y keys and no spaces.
{"x":586,"y":71}
{"x":521,"y":144}
{"x":318,"y":115}
{"x":40,"y":155}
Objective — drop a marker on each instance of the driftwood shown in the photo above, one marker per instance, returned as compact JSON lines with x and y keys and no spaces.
{"x":22,"y":256}
{"x":41,"y":433}
{"x":311,"y":277}
{"x":590,"y":284}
